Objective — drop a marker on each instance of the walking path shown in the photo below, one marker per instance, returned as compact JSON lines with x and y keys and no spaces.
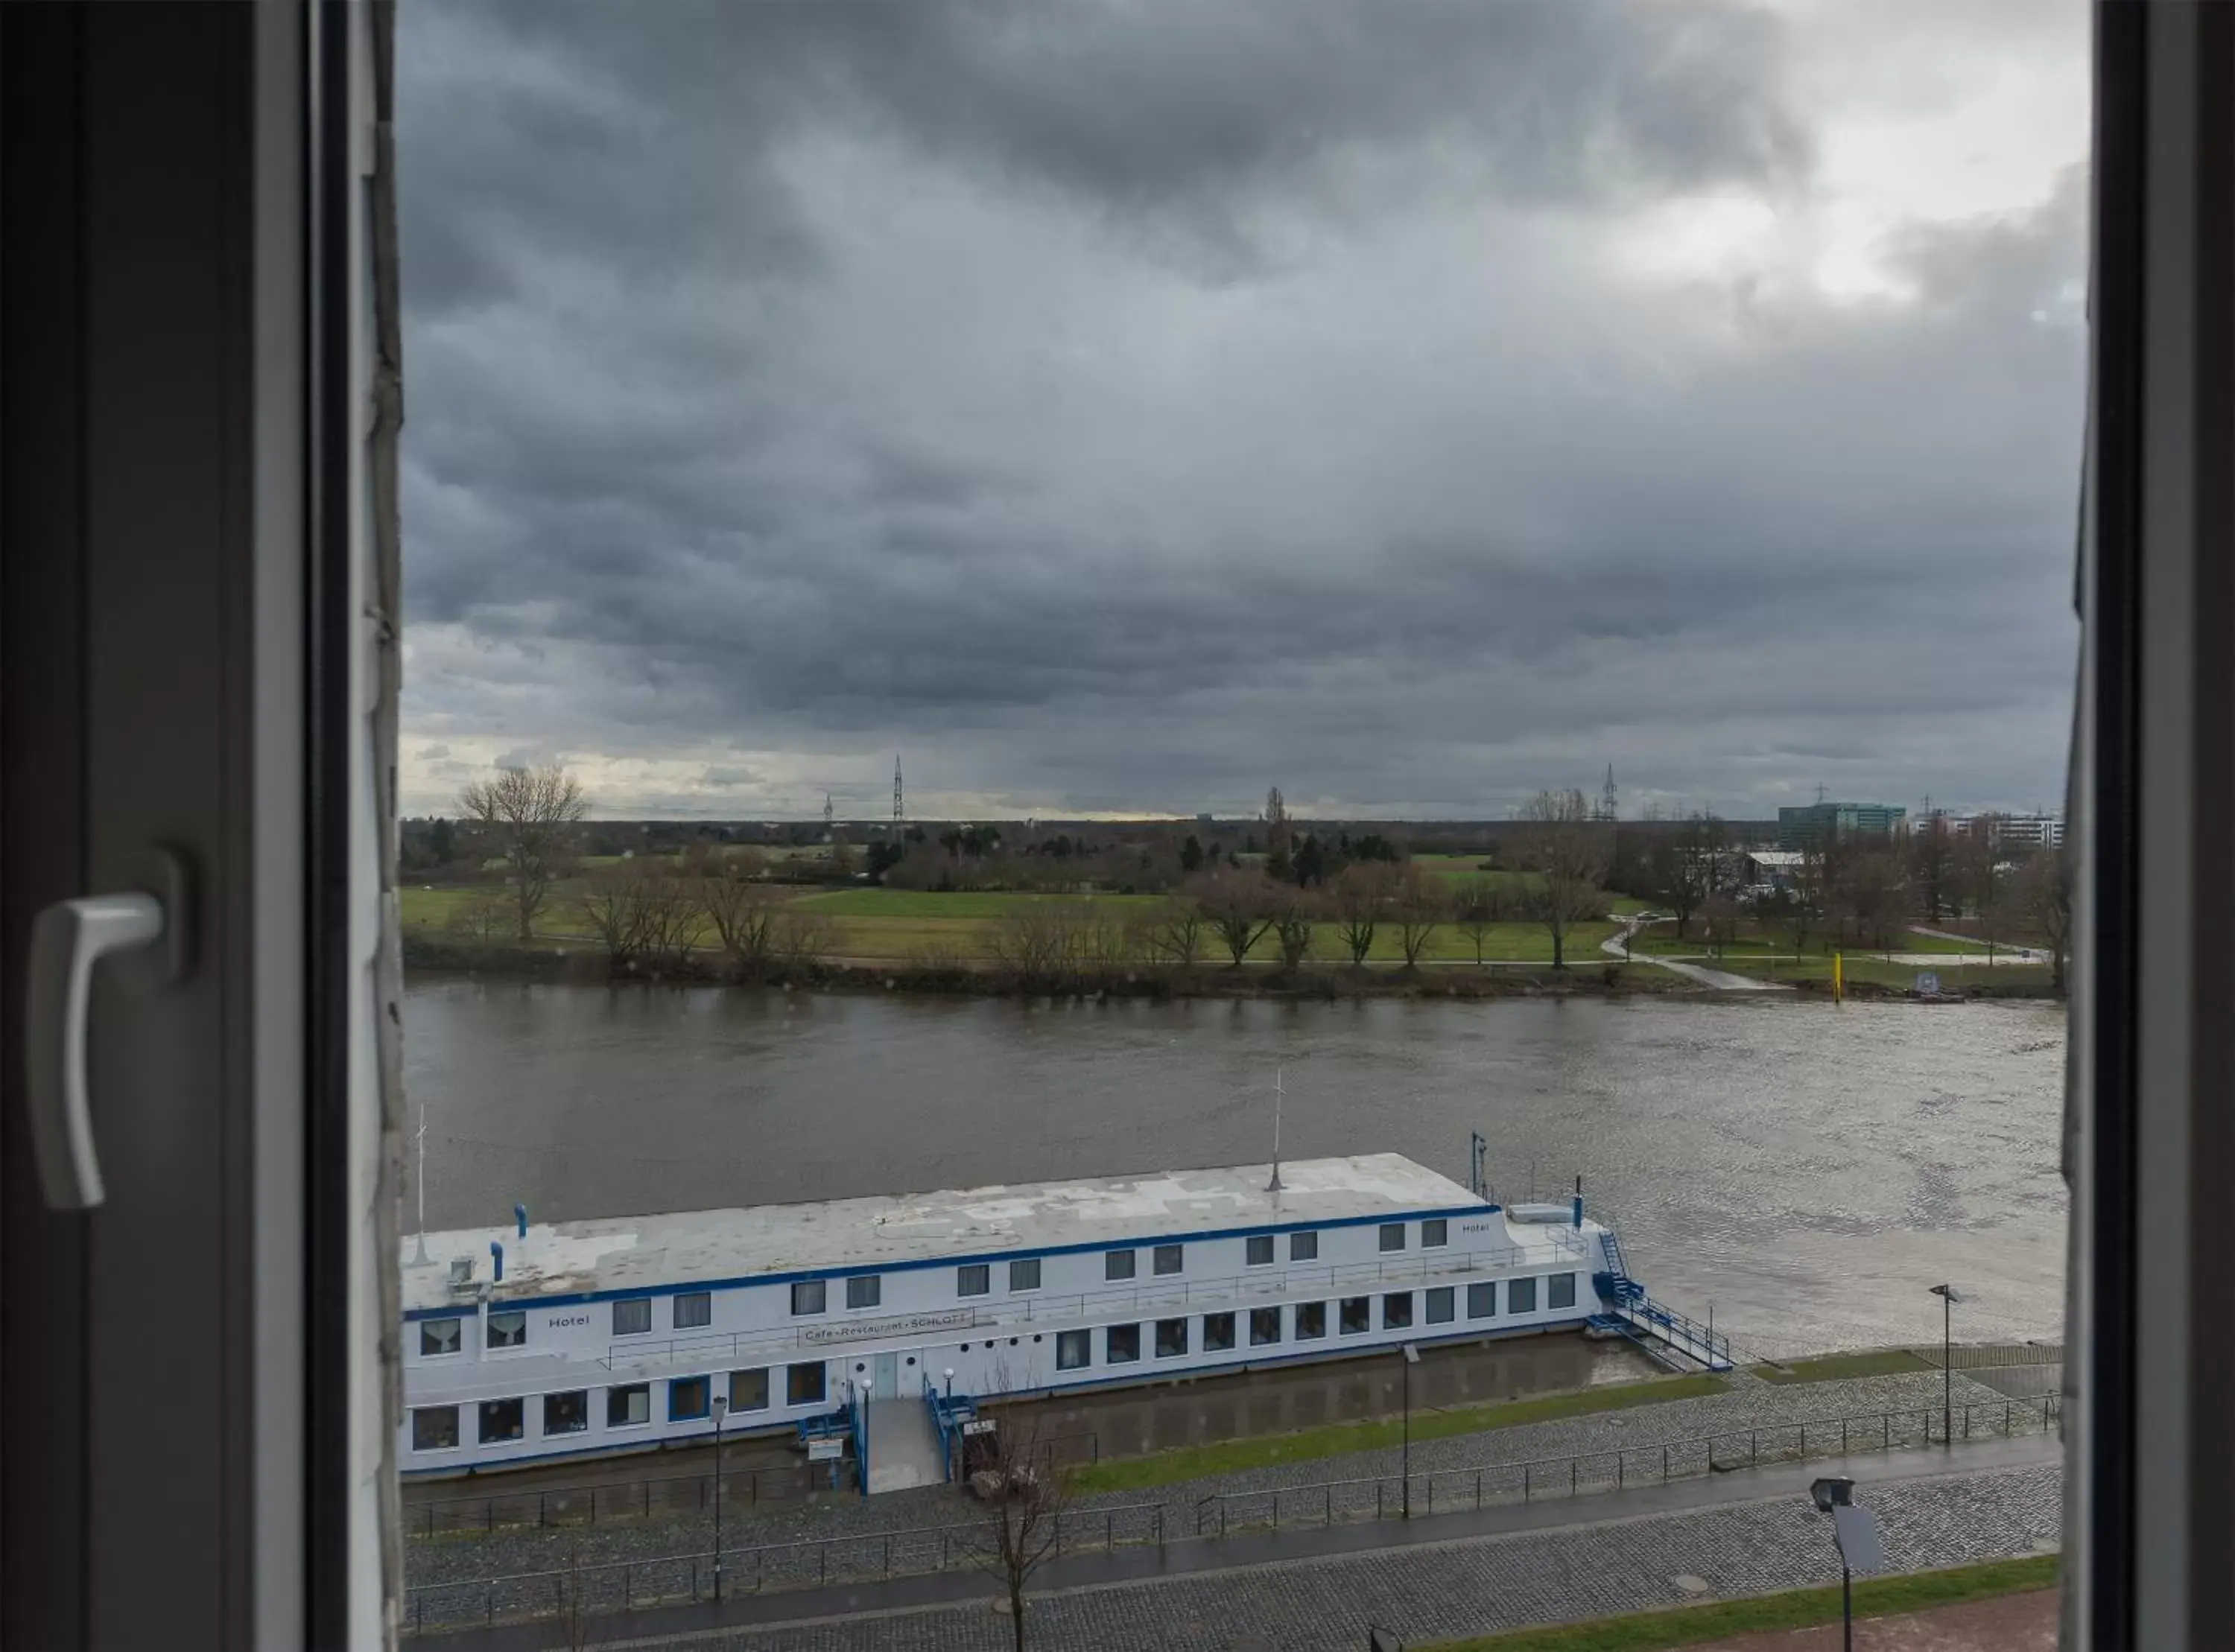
{"x":1722,"y":980}
{"x":903,"y":1446}
{"x":1747,"y":1532}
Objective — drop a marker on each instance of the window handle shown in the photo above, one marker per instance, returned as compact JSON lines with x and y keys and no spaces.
{"x":68,"y":939}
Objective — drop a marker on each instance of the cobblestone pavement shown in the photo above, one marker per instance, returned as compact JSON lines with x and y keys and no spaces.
{"x":1474,"y":1586}
{"x":465,"y":1558}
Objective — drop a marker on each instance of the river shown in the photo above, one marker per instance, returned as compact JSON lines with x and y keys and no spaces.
{"x":1806,"y":1169}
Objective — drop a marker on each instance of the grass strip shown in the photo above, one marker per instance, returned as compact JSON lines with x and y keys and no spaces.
{"x":1232,"y":1456}
{"x":1833,"y":1367}
{"x":1796,"y":1608}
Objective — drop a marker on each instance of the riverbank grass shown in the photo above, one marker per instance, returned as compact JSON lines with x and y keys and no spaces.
{"x":1333,"y":1440}
{"x":1834,"y":1367}
{"x":1793,"y":1609}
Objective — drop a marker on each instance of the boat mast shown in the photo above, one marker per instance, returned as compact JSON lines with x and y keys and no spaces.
{"x":1273,"y":1187}
{"x":419,"y":1179}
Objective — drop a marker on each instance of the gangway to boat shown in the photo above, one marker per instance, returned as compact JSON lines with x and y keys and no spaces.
{"x":1671,"y":1339}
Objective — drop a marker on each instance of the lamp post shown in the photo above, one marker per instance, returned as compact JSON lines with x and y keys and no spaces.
{"x":1948,"y":1298}
{"x":721,"y":1408}
{"x":1855,"y":1531}
{"x":1412,"y":1359}
{"x":949,"y":1374}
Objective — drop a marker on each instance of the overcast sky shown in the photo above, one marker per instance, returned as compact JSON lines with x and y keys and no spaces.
{"x":1126,"y":407}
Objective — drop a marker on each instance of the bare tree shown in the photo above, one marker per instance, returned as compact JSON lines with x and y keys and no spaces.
{"x":1176,"y":932}
{"x":1027,"y":1498}
{"x":741,"y":912}
{"x":1358,"y":901}
{"x":1036,"y":941}
{"x":1718,"y":919}
{"x":524,"y":813}
{"x":1686,"y":865}
{"x":2039,"y":898}
{"x":1875,"y":895}
{"x":674,"y":916}
{"x":1295,"y":914}
{"x":611,"y":903}
{"x":1932,"y":859}
{"x":1238,"y":907}
{"x":1420,"y":903}
{"x":480,"y":918}
{"x":1567,"y":851}
{"x":802,"y":937}
{"x":1475,"y":912}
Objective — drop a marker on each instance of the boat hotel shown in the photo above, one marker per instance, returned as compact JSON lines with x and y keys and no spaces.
{"x":543,"y":1341}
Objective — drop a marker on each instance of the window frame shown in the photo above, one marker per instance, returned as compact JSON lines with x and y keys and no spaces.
{"x":484,"y":1407}
{"x":1396,"y":1310}
{"x":738,"y":1406}
{"x":457,"y":1433}
{"x":1159,"y":1254}
{"x":814,"y":1292}
{"x":1389,"y":1230}
{"x":1364,"y":1315}
{"x":874,"y":1293}
{"x":643,"y":1304}
{"x":457,"y":1324}
{"x":1085,"y":1344}
{"x":1554,"y":1284}
{"x":581,"y":1397}
{"x":1488,"y":1287}
{"x":1017,"y":1264}
{"x":1314,"y":1313}
{"x":981,"y":1272}
{"x":1132,"y":1335}
{"x":1257,"y":1316}
{"x":617,"y":1392}
{"x":703,"y":1298}
{"x":1112,"y":1273}
{"x":677,"y":1386}
{"x":1445,"y":1296}
{"x":518,"y":1338}
{"x":792,"y":1386}
{"x":1250,"y":1247}
{"x":1171,"y":1338}
{"x":1304,"y":1246}
{"x":1525,"y":1288}
{"x":1441,"y":1226}
{"x":1225,"y":1324}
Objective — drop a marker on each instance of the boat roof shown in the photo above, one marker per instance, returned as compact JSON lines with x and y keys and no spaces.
{"x":619,"y":1256}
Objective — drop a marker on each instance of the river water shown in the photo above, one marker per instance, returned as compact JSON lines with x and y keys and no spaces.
{"x":1806,"y":1169}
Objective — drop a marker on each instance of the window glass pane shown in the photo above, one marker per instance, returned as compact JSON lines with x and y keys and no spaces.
{"x":1024,"y":1274}
{"x":1303,"y":1247}
{"x":865,"y":1290}
{"x":1521,"y":1297}
{"x":1311,"y":1320}
{"x":507,"y":1330}
{"x":1167,"y":1258}
{"x":632,"y":1316}
{"x":1357,"y":1314}
{"x":1432,"y":1232}
{"x":749,"y":1390}
{"x":1560,"y":1290}
{"x":1396,"y":1311}
{"x":1439,"y":1307}
{"x":1171,"y":1338}
{"x":566,"y":1414}
{"x":1260,"y":1252}
{"x":686,"y":1398}
{"x":434,"y":1427}
{"x":1264,"y":1326}
{"x":438,"y":1337}
{"x":807,"y":1296}
{"x":628,"y":1405}
{"x":693,"y":1309}
{"x":1120,"y":1344}
{"x":503,"y":1420}
{"x":1117,"y":1264}
{"x":1217,"y":1332}
{"x":1392,"y":1236}
{"x":803,"y":1384}
{"x":973,"y":1280}
{"x":1482,"y":1300}
{"x":1074,"y":1350}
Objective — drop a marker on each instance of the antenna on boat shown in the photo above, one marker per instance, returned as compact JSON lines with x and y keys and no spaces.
{"x":419,"y":1179}
{"x":1273,"y":1187}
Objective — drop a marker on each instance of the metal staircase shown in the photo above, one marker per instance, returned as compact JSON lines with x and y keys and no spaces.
{"x":1669,"y":1338}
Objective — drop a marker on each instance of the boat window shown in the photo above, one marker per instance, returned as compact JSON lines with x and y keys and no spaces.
{"x":1074,"y":1350}
{"x":1264,"y":1326}
{"x":865,"y":1290}
{"x":803,"y":1384}
{"x":1521,"y":1297}
{"x":628,"y":1405}
{"x":1117,"y":1264}
{"x":1433,"y":1232}
{"x":1024,"y":1274}
{"x":1392,"y":1236}
{"x":1441,"y":1305}
{"x":507,"y":1330}
{"x":974,"y":1279}
{"x":1120,"y":1344}
{"x":632,"y":1316}
{"x":1396,"y":1311}
{"x":1217,"y":1332}
{"x":1260,"y":1253}
{"x":1357,"y":1314}
{"x":1303,"y":1247}
{"x":437,"y":1337}
{"x":503,"y":1420}
{"x":1482,"y":1300}
{"x":567,"y":1413}
{"x":1311,"y":1320}
{"x":807,"y":1296}
{"x":749,"y":1390}
{"x":1171,"y":1338}
{"x":694,"y":1308}
{"x":1560,"y":1290}
{"x":434,"y":1427}
{"x":1167,"y":1258}
{"x":686,"y":1398}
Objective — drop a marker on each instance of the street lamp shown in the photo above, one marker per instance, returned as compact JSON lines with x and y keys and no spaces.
{"x":1412,"y":1359}
{"x":1856,"y":1531}
{"x":949,"y":1374}
{"x":1948,"y":1298}
{"x":721,"y":1407}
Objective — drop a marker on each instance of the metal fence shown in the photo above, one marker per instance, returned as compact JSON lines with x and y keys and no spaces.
{"x":670,"y":1496}
{"x":1445,"y":1491}
{"x":625,"y":1585}
{"x":1976,"y":1356}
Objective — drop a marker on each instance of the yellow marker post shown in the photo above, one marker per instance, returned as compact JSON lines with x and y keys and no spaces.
{"x":1839,"y":979}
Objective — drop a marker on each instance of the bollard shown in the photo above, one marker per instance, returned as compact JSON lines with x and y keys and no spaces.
{"x":1524,"y":1482}
{"x":1664,"y":1465}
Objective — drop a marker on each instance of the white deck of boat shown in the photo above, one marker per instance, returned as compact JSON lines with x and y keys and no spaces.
{"x":622,"y":1253}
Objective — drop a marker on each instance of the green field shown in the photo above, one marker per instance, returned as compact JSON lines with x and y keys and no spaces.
{"x":1660,"y":941}
{"x":1953,"y":977}
{"x":1795,"y":1609}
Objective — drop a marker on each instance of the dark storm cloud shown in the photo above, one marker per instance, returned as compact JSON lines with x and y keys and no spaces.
{"x":1132,"y":403}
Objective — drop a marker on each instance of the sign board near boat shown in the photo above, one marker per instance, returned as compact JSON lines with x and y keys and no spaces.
{"x":857,"y":1330}
{"x":826,"y":1451}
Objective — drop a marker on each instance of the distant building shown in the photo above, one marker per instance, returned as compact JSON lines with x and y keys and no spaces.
{"x":2013,"y":831}
{"x":1799,"y":827}
{"x":1772,"y":869}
